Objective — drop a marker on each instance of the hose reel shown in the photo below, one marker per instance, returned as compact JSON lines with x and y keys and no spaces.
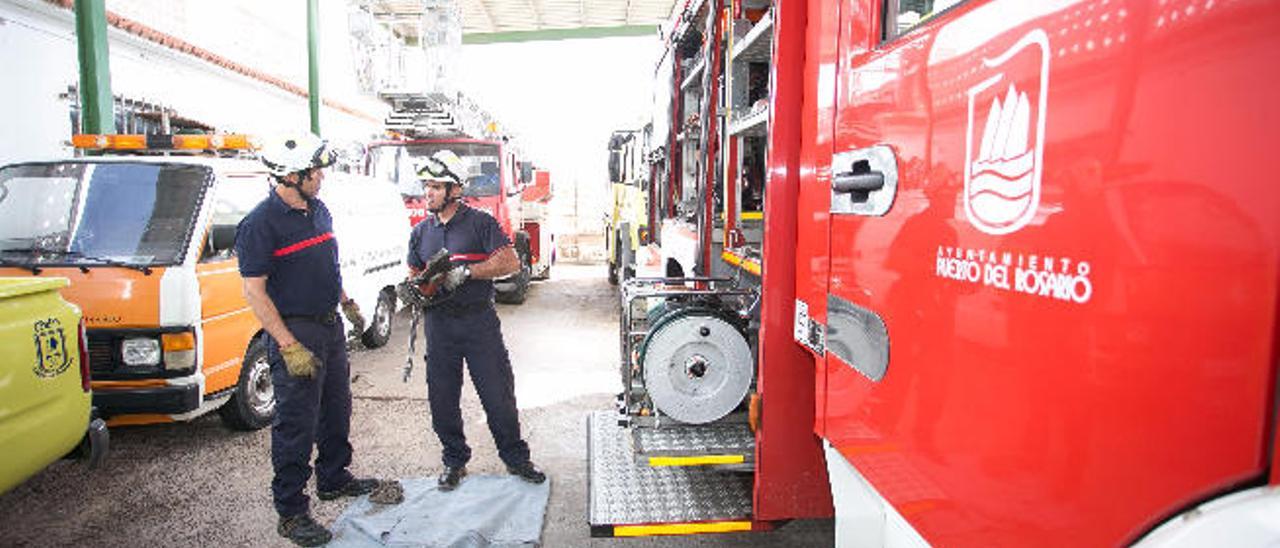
{"x":696,"y":362}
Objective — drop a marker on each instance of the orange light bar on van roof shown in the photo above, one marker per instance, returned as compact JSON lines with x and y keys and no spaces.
{"x":127,"y":142}
{"x":199,"y":142}
{"x":162,"y":142}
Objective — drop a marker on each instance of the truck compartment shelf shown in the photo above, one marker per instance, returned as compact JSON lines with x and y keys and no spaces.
{"x":694,"y":78}
{"x":751,"y":123}
{"x":756,"y":45}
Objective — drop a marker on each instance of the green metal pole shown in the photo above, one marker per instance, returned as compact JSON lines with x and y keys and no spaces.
{"x":95,"y":68}
{"x":313,"y":63}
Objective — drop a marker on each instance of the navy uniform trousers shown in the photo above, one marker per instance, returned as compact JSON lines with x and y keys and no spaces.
{"x":310,"y":412}
{"x":475,"y":336}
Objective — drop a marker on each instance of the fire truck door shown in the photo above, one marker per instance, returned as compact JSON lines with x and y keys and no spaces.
{"x":1033,"y":261}
{"x":890,"y":203}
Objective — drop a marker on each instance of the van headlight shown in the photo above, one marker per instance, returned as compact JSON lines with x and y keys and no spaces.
{"x":179,"y":350}
{"x":140,"y":351}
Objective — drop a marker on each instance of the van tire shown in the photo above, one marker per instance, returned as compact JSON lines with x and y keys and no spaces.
{"x":384,"y":314}
{"x":253,"y":404}
{"x":614,"y":263}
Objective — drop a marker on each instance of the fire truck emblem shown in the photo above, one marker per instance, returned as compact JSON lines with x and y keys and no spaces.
{"x":1002,"y":175}
{"x":51,"y":348}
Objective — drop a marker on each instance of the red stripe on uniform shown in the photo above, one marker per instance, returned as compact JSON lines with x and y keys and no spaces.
{"x":468,"y":257}
{"x":304,"y":244}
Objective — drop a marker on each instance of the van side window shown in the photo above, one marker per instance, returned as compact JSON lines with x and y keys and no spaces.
{"x":903,"y":15}
{"x":236,"y":197}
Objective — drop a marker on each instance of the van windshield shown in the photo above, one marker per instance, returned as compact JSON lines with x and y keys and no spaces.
{"x":98,"y":213}
{"x":396,"y":162}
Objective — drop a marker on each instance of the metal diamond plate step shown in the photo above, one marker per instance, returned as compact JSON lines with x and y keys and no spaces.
{"x":623,"y":492}
{"x":725,"y":440}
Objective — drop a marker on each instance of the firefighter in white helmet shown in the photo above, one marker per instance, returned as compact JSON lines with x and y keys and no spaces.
{"x":464,"y":325}
{"x":289,"y":262}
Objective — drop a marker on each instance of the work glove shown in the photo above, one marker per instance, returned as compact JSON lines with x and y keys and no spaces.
{"x":352,"y":311}
{"x":451,"y":279}
{"x":387,"y":492}
{"x":408,"y":293}
{"x":299,"y":361}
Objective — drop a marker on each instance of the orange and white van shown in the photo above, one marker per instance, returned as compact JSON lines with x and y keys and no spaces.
{"x":148,"y":244}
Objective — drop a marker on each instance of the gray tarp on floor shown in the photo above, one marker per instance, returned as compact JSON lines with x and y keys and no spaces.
{"x":498,"y":511}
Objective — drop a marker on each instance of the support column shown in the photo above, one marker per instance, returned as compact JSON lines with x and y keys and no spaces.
{"x":313,"y":63}
{"x":96,"y":103}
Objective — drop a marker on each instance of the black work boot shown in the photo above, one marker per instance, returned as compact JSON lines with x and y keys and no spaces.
{"x":303,"y":530}
{"x":527,"y":472}
{"x":353,"y":488}
{"x":451,"y":477}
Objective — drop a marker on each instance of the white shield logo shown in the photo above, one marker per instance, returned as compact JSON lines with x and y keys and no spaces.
{"x":1002,"y":176}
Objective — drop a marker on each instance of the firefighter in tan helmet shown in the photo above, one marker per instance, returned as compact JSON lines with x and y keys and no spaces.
{"x":463,"y":325}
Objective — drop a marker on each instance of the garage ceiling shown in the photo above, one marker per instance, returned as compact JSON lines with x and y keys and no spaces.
{"x":516,"y":20}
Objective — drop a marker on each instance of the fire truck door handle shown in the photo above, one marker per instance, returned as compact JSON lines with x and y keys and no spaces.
{"x":853,"y":181}
{"x":864,"y":181}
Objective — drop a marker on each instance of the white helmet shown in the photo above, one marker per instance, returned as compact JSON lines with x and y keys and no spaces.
{"x":297,"y":153}
{"x":442,"y":166}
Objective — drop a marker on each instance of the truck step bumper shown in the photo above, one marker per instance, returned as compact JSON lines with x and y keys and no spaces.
{"x":729,"y":445}
{"x":630,"y":498}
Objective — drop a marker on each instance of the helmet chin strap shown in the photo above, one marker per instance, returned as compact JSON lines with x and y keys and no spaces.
{"x":449,"y":198}
{"x":297,"y":187}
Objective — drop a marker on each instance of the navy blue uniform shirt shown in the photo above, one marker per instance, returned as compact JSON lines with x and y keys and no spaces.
{"x":295,"y":250}
{"x":471,"y":236}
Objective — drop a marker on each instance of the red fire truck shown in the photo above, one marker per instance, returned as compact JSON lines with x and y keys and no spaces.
{"x":984,"y":272}
{"x":536,"y":200}
{"x":496,"y":181}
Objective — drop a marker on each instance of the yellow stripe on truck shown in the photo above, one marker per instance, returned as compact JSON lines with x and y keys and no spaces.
{"x":681,"y":528}
{"x":696,"y":461}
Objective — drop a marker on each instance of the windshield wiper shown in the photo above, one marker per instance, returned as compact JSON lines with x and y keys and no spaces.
{"x":29,"y":266}
{"x":145,"y":269}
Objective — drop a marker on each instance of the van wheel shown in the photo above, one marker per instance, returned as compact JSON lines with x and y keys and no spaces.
{"x":253,"y":404}
{"x":625,"y":270}
{"x":380,"y":331}
{"x":614,"y":264}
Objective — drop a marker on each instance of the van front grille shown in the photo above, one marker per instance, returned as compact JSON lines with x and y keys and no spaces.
{"x":102,"y":356}
{"x":106,"y":363}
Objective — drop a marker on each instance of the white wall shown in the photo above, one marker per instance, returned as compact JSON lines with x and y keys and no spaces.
{"x":563,"y":99}
{"x":38,"y":50}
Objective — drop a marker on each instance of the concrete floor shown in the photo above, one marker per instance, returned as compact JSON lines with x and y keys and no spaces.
{"x":199,"y":483}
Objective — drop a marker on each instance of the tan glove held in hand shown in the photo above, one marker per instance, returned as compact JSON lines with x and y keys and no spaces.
{"x":299,"y":361}
{"x":454,"y":277}
{"x":352,"y":311}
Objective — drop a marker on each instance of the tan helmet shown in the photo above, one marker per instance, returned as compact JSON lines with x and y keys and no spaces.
{"x":297,"y":153}
{"x":442,"y":166}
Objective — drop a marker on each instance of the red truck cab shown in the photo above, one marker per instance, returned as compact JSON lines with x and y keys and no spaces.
{"x":495,"y":180}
